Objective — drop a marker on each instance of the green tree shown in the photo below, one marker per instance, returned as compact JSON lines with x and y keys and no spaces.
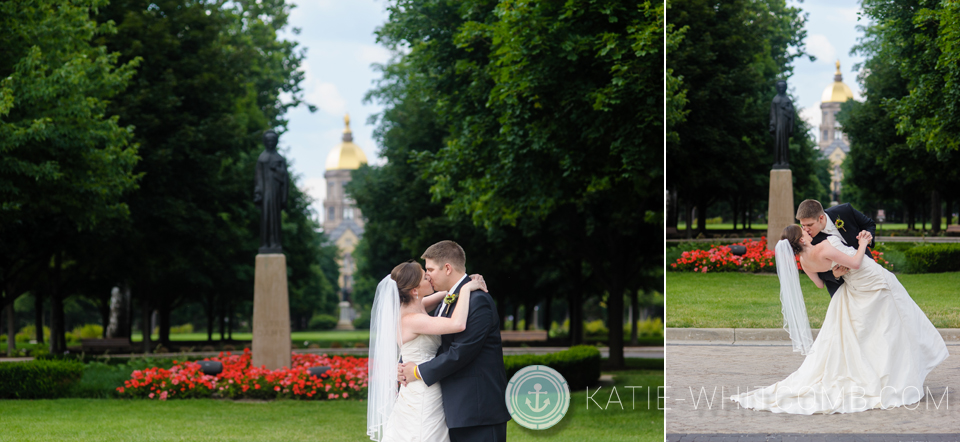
{"x":729,"y":58}
{"x":67,"y":161}
{"x":547,"y":138}
{"x":900,"y":135}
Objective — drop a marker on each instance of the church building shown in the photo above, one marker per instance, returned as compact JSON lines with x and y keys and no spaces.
{"x":834,"y":143}
{"x":343,"y":222}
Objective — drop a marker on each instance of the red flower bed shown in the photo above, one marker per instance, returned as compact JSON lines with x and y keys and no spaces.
{"x":719,"y":259}
{"x":347,"y":378}
{"x":756,"y":259}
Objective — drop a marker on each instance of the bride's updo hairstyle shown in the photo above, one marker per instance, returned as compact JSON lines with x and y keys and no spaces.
{"x":407,"y":276}
{"x":794,"y":234}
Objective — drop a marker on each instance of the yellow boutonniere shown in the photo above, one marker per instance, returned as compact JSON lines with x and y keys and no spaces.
{"x":839,"y":224}
{"x":449,"y":298}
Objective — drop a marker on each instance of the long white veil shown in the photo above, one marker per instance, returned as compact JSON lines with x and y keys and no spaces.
{"x":795,"y":320}
{"x":384,"y":356}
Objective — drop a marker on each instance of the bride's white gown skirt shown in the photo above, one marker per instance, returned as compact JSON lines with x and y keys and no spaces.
{"x":874,"y":350}
{"x":417,"y":414}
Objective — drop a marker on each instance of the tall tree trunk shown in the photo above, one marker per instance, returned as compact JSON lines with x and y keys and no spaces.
{"x":548,"y":315}
{"x":736,"y":211}
{"x":748,"y":217}
{"x":223,"y":321}
{"x":58,"y":343}
{"x":11,"y":330}
{"x":935,"y":207}
{"x":211,"y":316}
{"x":164,"y":334}
{"x":635,"y":317}
{"x":949,"y":206}
{"x":146,"y":326}
{"x":232,"y":317}
{"x":701,"y":218}
{"x":688,"y":218}
{"x":502,"y":311}
{"x":516,"y":316}
{"x":528,"y":312}
{"x":615,"y":325}
{"x":38,"y":314}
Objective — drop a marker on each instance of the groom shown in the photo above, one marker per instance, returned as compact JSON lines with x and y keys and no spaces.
{"x":469,"y":364}
{"x":842,"y":221}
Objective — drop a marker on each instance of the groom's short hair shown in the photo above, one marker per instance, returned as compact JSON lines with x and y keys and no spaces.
{"x":447,"y":252}
{"x":809,"y":209}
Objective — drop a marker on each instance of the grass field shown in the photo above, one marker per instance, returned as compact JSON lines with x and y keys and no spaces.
{"x":746,"y":300}
{"x":226,"y":420}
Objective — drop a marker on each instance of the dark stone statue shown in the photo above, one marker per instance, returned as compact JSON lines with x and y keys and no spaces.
{"x":781,"y":125}
{"x":271,"y":193}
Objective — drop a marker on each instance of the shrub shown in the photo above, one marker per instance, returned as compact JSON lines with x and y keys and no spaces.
{"x":323,"y":322}
{"x":933,"y":258}
{"x":580,"y":365}
{"x":29,"y":333}
{"x":185,"y":328}
{"x":88,"y":331}
{"x":595,"y":328}
{"x":38,"y":379}
{"x":362,"y":321}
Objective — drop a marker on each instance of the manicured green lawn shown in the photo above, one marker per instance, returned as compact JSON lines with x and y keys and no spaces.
{"x":746,"y":300}
{"x":355,"y":335}
{"x":224,"y":420}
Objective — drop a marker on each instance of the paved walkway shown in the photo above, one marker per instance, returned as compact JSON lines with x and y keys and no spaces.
{"x":800,"y":437}
{"x":700,"y":379}
{"x":755,"y":336}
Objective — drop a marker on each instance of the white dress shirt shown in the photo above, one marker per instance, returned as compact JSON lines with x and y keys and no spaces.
{"x":831,"y":229}
{"x":443,"y":305}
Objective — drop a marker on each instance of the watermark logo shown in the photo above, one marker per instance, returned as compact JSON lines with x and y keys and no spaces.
{"x":537,"y":397}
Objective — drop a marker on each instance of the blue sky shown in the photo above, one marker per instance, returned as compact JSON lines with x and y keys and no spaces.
{"x":831,"y":33}
{"x":341,"y":48}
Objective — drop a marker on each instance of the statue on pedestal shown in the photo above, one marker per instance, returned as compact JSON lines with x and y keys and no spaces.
{"x":271,"y":193}
{"x":781,"y":125}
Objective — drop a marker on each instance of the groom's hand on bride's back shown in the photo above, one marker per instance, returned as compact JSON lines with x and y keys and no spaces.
{"x":479,"y":280}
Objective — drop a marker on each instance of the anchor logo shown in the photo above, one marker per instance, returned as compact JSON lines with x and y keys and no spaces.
{"x":537,"y":413}
{"x":546,"y":403}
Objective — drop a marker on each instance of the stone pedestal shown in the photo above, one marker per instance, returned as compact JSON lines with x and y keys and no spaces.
{"x":781,"y":210}
{"x":271,"y":313}
{"x":346,"y":316}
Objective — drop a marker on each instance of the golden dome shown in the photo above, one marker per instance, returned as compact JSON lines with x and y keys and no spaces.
{"x":838,"y":91}
{"x":346,"y":155}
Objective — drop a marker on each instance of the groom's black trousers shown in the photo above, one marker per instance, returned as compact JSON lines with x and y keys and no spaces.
{"x":482,"y":433}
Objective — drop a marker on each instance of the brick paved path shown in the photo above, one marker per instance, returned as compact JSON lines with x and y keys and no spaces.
{"x":714,"y":372}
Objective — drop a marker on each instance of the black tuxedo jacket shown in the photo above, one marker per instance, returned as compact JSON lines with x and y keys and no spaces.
{"x":469,"y":367}
{"x":853,"y":223}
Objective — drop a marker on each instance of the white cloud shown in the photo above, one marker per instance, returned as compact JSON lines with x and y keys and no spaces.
{"x":326,"y":97}
{"x":369,"y":54}
{"x":813,"y":117}
{"x":316,"y":187}
{"x":819,"y":46}
{"x":846,"y":16}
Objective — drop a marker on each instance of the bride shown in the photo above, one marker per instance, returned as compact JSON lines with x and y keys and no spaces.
{"x":875,"y":347}
{"x":401,"y":326}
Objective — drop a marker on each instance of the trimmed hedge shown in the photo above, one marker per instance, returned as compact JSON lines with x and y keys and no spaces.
{"x":934,"y":258}
{"x":580,"y":365}
{"x":38,"y":379}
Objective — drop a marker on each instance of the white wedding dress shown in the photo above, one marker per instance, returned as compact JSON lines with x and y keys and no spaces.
{"x":417,"y":415}
{"x":874,"y":350}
